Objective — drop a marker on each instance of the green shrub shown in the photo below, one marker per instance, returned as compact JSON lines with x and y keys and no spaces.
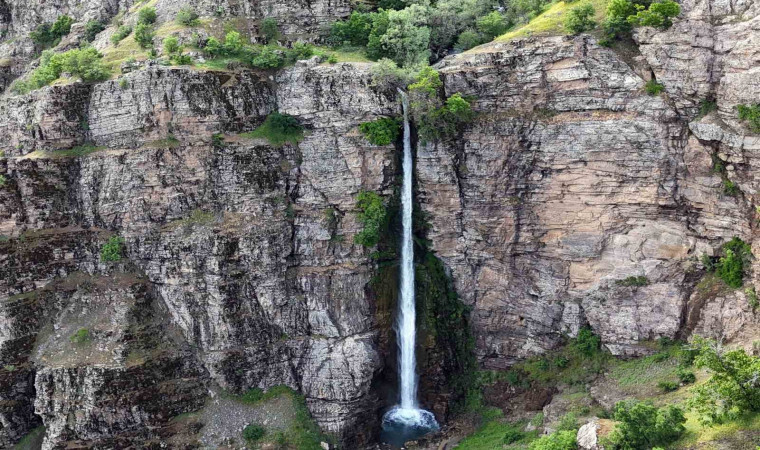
{"x":270,"y":30}
{"x":279,"y":129}
{"x":751,"y":114}
{"x":372,"y":216}
{"x":706,"y":107}
{"x":659,"y":14}
{"x":91,"y":30}
{"x":653,"y":87}
{"x":120,"y":34}
{"x":353,"y":31}
{"x":730,"y":188}
{"x":112,"y":250}
{"x":332,"y":58}
{"x":642,"y":425}
{"x":580,"y":19}
{"x":300,"y":51}
{"x":559,"y":440}
{"x":616,"y":24}
{"x":733,"y":387}
{"x":468,"y":39}
{"x":268,"y":58}
{"x":382,"y":131}
{"x":233,"y":43}
{"x":47,"y":35}
{"x":81,"y":336}
{"x":633,"y":281}
{"x":146,"y":15}
{"x":586,"y":343}
{"x":171,"y":45}
{"x":492,"y":25}
{"x":686,"y":376}
{"x":730,"y":267}
{"x":253,"y":433}
{"x":187,"y":16}
{"x":144,"y":35}
{"x":3,"y":181}
{"x":668,"y":385}
{"x":84,"y":63}
{"x":568,"y":422}
{"x":512,"y":435}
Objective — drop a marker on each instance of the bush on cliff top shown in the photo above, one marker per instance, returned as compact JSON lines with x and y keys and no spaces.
{"x":580,"y":19}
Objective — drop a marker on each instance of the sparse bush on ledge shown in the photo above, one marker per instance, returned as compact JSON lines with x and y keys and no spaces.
{"x":85,"y":63}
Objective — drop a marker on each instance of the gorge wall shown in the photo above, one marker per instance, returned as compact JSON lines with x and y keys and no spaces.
{"x":240,"y":266}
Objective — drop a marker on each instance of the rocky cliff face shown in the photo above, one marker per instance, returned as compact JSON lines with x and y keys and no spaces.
{"x":573,"y":179}
{"x":232,"y":241}
{"x":240,"y":269}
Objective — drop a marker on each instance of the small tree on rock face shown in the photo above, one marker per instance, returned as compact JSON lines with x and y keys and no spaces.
{"x":146,"y":15}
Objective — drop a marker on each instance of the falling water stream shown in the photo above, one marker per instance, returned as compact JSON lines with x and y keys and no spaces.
{"x":406,"y":421}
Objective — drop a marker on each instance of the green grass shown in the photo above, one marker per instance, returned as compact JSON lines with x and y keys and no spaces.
{"x":742,"y":433}
{"x":551,"y":21}
{"x":492,"y":434}
{"x":303,"y":433}
{"x":31,"y":441}
{"x":274,"y":135}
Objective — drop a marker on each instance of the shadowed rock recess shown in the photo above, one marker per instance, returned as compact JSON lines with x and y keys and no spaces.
{"x":240,"y":269}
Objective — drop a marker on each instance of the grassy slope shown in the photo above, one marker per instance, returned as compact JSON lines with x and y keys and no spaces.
{"x":550,"y":22}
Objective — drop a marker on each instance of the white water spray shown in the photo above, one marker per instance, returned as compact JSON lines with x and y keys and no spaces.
{"x":406,"y":420}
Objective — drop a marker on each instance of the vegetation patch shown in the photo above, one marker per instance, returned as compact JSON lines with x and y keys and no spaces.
{"x":81,"y":336}
{"x":278,"y":129}
{"x":382,"y":131}
{"x":85,"y":63}
{"x":49,"y":35}
{"x":653,"y":87}
{"x":435,"y":119}
{"x":641,"y":425}
{"x":635,"y":281}
{"x":751,"y":115}
{"x":730,"y":265}
{"x":372,"y":215}
{"x":303,"y":433}
{"x":112,"y":250}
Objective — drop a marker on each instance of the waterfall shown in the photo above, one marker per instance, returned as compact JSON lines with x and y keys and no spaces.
{"x":406,"y":421}
{"x":406,"y":319}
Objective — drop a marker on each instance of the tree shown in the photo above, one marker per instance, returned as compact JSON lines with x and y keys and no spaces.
{"x":468,"y":39}
{"x":616,"y":24}
{"x":492,"y":25}
{"x":407,"y":37}
{"x":91,"y":30}
{"x":579,"y":19}
{"x":144,"y":35}
{"x":642,"y":425}
{"x":171,"y":45}
{"x":353,"y":31}
{"x":62,"y":26}
{"x":187,"y":16}
{"x":734,"y":386}
{"x":658,"y":14}
{"x":269,"y":29}
{"x":146,"y":15}
{"x":233,"y":43}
